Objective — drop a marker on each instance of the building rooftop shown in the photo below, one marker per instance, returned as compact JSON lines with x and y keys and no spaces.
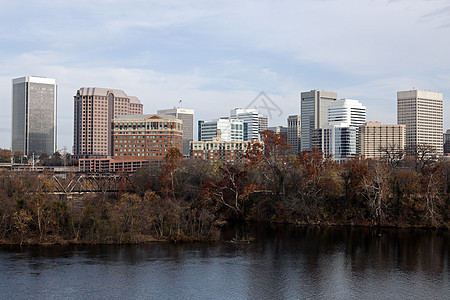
{"x":95,"y":91}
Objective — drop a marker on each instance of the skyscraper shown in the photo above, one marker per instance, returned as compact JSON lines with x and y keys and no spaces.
{"x":422,"y":113}
{"x":350,"y":113}
{"x":294,"y":134}
{"x":254,"y":122}
{"x":314,"y":113}
{"x":185,"y":115}
{"x":33,"y":115}
{"x":94,"y":110}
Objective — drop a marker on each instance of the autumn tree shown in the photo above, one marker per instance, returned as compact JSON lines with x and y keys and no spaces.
{"x":5,"y":156}
{"x":432,"y":186}
{"x":270,"y":160}
{"x":316,"y":180}
{"x":167,"y":175}
{"x":376,"y":191}
{"x":228,"y":191}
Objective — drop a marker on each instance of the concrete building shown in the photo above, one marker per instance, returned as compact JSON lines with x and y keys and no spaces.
{"x":185,"y":115}
{"x":220,"y":151}
{"x":146,"y":136}
{"x":94,"y":110}
{"x":337,"y":139}
{"x":294,"y":134}
{"x":351,"y":113}
{"x":374,"y":137}
{"x":447,"y":142}
{"x":33,"y":115}
{"x":254,"y":122}
{"x":224,"y":128}
{"x":348,"y":111}
{"x":314,"y":114}
{"x":422,"y":114}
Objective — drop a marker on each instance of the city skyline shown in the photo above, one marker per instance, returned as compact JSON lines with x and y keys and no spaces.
{"x":164,"y":52}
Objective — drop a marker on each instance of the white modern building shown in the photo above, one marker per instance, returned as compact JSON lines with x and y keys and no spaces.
{"x":336,"y":139}
{"x":314,"y":114}
{"x":350,"y":112}
{"x":185,"y":115}
{"x":224,"y":128}
{"x":254,"y":122}
{"x":33,"y":115}
{"x":422,"y":113}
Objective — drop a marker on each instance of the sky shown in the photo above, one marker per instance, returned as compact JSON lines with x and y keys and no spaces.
{"x":219,"y":55}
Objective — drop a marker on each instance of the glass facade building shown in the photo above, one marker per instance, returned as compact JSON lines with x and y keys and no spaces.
{"x":33,"y":115}
{"x":314,"y":114}
{"x":224,"y":129}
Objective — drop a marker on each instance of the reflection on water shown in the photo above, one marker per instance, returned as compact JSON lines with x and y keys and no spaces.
{"x":283,"y":262}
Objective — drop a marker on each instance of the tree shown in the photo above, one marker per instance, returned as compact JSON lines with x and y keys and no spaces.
{"x":392,"y":155}
{"x":316,"y":180}
{"x":422,"y":154}
{"x":43,"y":157}
{"x":228,"y":191}
{"x":432,"y":184}
{"x":167,"y":171}
{"x":5,"y":156}
{"x":376,"y":190}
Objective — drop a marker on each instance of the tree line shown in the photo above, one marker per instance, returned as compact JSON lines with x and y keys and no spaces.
{"x":189,"y":199}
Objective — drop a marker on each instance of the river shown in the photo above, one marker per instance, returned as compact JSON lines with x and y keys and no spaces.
{"x":281,"y":263}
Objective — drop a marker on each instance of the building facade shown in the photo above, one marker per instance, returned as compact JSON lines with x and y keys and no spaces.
{"x":375,"y":139}
{"x":422,"y":114}
{"x":314,"y":114}
{"x":294,"y":134}
{"x":447,"y":142}
{"x":220,"y":151}
{"x":254,"y":122}
{"x":223,"y":128}
{"x":94,"y":110}
{"x":185,"y":115}
{"x":337,"y":140}
{"x":146,"y":136}
{"x":34,"y":115}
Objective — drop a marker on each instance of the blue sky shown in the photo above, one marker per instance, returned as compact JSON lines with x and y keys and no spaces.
{"x":218,"y":55}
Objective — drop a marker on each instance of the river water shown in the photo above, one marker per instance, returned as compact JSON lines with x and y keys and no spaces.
{"x":281,"y":263}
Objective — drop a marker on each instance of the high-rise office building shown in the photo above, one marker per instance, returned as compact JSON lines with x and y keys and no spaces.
{"x":223,"y":128}
{"x":375,"y":138}
{"x":33,"y":115}
{"x":422,"y":113}
{"x":294,"y":134}
{"x":336,"y":139}
{"x":254,"y":122}
{"x":351,"y":113}
{"x":348,"y":111}
{"x":94,"y":110}
{"x":314,"y":114}
{"x":185,"y":115}
{"x":447,"y":142}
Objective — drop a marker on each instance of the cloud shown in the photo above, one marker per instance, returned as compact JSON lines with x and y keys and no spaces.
{"x":220,"y":55}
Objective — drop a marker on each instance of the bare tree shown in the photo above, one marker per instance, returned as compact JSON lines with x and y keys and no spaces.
{"x":376,"y":190}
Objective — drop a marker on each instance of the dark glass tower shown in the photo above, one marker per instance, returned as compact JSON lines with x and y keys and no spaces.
{"x":33,"y":115}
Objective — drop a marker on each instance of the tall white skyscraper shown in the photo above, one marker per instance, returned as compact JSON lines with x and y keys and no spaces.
{"x":348,"y":111}
{"x":254,"y":122}
{"x":185,"y":115}
{"x":33,"y":115}
{"x":314,"y":114}
{"x":422,"y":113}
